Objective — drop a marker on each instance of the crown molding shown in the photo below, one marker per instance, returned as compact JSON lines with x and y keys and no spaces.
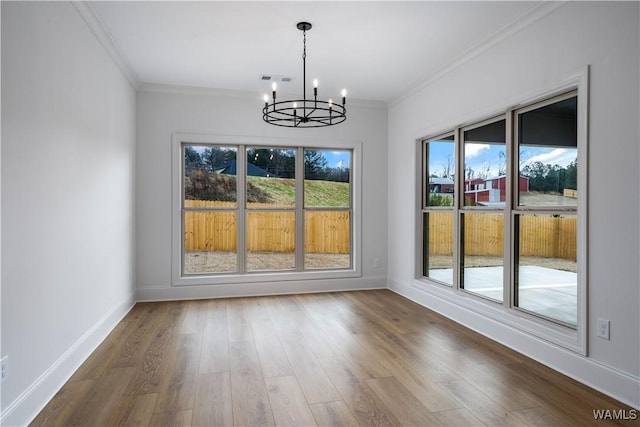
{"x":243,"y":94}
{"x":521,"y":22}
{"x":99,"y":29}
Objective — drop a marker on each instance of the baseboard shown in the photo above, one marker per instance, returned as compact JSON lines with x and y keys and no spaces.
{"x":259,"y":289}
{"x":612,"y":382}
{"x":26,"y":407}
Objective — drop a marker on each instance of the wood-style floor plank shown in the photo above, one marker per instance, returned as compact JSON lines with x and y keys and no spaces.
{"x":361,"y":358}
{"x":249,"y":394}
{"x":213,"y":404}
{"x":273,"y":359}
{"x":100,"y":402}
{"x":134,"y":410}
{"x":63,"y":404}
{"x":288,"y":403}
{"x":178,"y":388}
{"x":333,"y":414}
{"x":172,"y":419}
{"x":404,"y":405}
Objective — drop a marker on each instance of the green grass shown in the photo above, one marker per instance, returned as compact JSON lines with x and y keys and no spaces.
{"x":317,"y":193}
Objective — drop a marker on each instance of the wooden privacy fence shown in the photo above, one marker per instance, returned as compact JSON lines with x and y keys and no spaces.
{"x":540,"y":235}
{"x":267,"y":231}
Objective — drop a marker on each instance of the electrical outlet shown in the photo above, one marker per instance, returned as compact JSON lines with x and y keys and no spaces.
{"x":377,"y":263}
{"x":603,"y":328}
{"x":5,"y":367}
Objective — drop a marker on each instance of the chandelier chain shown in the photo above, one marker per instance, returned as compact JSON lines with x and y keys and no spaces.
{"x":304,"y":44}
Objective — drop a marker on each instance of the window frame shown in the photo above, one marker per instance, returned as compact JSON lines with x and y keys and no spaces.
{"x":242,"y":275}
{"x":574,"y":339}
{"x":426,"y":209}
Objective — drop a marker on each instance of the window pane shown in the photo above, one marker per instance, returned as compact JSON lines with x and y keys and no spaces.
{"x":483,"y":250}
{"x":438,"y":251}
{"x":210,"y":242}
{"x":327,"y":238}
{"x":546,"y":267}
{"x":485,"y":165}
{"x":548,"y":155}
{"x":271,"y":239}
{"x":271,"y":176}
{"x":441,"y":171}
{"x":327,"y":178}
{"x":209,"y":176}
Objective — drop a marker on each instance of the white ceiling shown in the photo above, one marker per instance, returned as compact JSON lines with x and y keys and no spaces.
{"x":376,"y":50}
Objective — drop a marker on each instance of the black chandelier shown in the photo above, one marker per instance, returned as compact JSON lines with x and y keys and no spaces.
{"x":308,"y":113}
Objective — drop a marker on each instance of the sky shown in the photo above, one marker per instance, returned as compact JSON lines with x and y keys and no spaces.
{"x":337,"y":159}
{"x":485,"y":158}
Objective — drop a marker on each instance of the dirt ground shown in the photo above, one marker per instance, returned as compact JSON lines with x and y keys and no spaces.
{"x":225,"y":262}
{"x":196,"y":262}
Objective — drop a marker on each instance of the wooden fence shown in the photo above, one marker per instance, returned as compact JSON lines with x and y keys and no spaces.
{"x":329,"y":232}
{"x":267,"y":231}
{"x":540,"y":235}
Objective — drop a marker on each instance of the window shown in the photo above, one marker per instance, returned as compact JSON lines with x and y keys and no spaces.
{"x":210,"y":209}
{"x":249,"y":209}
{"x":327,"y":209}
{"x":438,"y":200}
{"x":545,"y":216}
{"x":482,"y":213}
{"x":501,"y":213}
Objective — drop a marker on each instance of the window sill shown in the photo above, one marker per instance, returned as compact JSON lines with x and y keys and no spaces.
{"x":264,"y":277}
{"x":562,"y":336}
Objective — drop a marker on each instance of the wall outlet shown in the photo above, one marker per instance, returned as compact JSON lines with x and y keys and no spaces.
{"x":5,"y":368}
{"x":377,"y":263}
{"x":603,"y":328}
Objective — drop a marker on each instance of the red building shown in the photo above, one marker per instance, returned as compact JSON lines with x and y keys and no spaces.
{"x":491,"y":189}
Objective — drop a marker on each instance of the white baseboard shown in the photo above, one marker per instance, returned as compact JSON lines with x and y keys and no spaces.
{"x":26,"y":407}
{"x":258,"y":289}
{"x":612,"y":382}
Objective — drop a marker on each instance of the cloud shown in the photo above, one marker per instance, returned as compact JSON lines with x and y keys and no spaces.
{"x":472,"y":149}
{"x":557,"y":156}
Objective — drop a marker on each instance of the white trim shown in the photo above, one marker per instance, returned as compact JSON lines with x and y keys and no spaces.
{"x":272,"y":277}
{"x":259,"y":289}
{"x":99,"y":29}
{"x":242,"y":94}
{"x":523,"y":21}
{"x":35,"y":397}
{"x":620,"y":385}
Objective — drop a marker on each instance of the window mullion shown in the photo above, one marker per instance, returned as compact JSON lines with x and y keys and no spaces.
{"x":300,"y":224}
{"x":510,"y":188}
{"x":457,"y":203}
{"x":241,"y":168}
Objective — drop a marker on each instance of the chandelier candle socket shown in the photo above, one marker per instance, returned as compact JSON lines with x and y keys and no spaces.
{"x":313,"y":112}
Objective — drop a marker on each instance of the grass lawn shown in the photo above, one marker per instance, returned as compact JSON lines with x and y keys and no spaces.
{"x":317,"y":193}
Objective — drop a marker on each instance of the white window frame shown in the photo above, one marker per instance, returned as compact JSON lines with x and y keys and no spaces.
{"x":178,"y":279}
{"x":576,"y":339}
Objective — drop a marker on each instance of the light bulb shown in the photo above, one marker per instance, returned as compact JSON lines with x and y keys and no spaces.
{"x":295,"y":105}
{"x":330,"y":102}
{"x":315,"y":82}
{"x":266,"y":98}
{"x":274,"y":86}
{"x":344,"y":93}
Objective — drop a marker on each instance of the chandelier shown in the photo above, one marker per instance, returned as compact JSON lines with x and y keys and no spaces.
{"x":308,"y":113}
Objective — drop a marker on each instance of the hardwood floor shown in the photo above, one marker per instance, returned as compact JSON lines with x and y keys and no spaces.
{"x":355,"y":358}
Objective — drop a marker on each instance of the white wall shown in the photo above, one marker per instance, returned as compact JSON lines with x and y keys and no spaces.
{"x":68,"y":138}
{"x":604,"y":35}
{"x":162,"y":111}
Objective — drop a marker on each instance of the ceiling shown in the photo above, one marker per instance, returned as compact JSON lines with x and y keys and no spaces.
{"x":376,"y":50}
